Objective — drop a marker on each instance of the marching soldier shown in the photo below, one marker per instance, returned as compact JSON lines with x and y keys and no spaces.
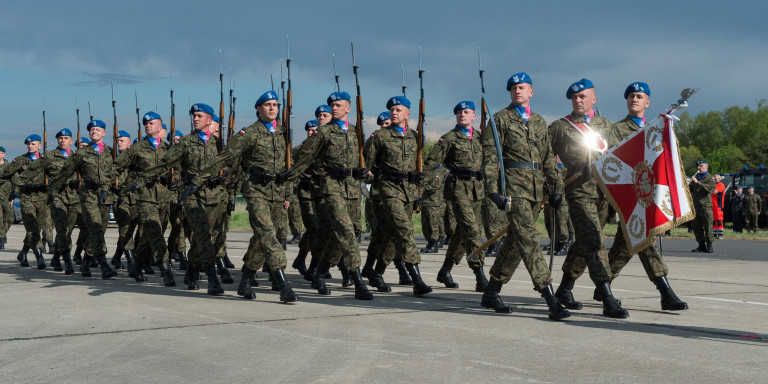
{"x":177,"y":239}
{"x":6,"y":210}
{"x":229,"y":180}
{"x":394,"y":193}
{"x":569,"y":142}
{"x":702,"y":187}
{"x":125,"y":212}
{"x":432,"y":210}
{"x":528,"y":163}
{"x":95,"y":166}
{"x":752,"y":207}
{"x":307,"y":208}
{"x":461,"y":151}
{"x":737,"y":212}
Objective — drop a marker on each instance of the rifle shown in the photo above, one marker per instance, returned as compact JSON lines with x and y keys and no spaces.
{"x":89,"y":111}
{"x":220,"y":142}
{"x":288,"y":110}
{"x":45,"y":138}
{"x":483,"y":105}
{"x":172,"y":141}
{"x":359,"y":107}
{"x":77,"y":112}
{"x":335,"y":74}
{"x":138,"y":115}
{"x":189,"y":108}
{"x":402,"y":70}
{"x":281,"y":115}
{"x":231,"y":122}
{"x":114,"y":127}
{"x":419,"y":129}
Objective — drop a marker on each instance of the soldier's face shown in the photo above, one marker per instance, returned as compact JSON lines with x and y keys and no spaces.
{"x":386,"y":123}
{"x":201,"y":121}
{"x":214,"y":128}
{"x":2,"y":156}
{"x":584,"y":101}
{"x":751,"y":191}
{"x":64,"y":142}
{"x":399,"y":115}
{"x":340,"y":109}
{"x":268,"y":110}
{"x":96,"y":134}
{"x":311,"y":131}
{"x":123,"y":143}
{"x":34,"y":146}
{"x":521,"y":94}
{"x":702,"y":167}
{"x":637,"y":102}
{"x":153,"y":127}
{"x":465,"y":117}
{"x":323,"y":118}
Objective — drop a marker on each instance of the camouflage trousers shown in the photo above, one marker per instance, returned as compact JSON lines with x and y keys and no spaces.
{"x":468,"y":232}
{"x":264,"y":246}
{"x":588,"y":250}
{"x":222,"y":252}
{"x":450,"y":220}
{"x":82,"y":234}
{"x":281,"y":225}
{"x":751,"y":218}
{"x":650,"y":257}
{"x":432,"y":222}
{"x":47,"y":225}
{"x":64,"y":215}
{"x":152,"y":218}
{"x":522,"y":244}
{"x":34,"y":212}
{"x":6,"y":215}
{"x":177,"y":239}
{"x":494,"y":219}
{"x":309,"y":218}
{"x":205,"y":240}
{"x":370,"y":219}
{"x":336,"y":236}
{"x":294,"y":217}
{"x":127,"y":221}
{"x":395,"y":229}
{"x":95,"y":218}
{"x":562,"y":223}
{"x":702,"y":224}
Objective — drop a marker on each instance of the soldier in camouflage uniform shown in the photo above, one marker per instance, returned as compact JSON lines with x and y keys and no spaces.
{"x":450,"y":222}
{"x":6,"y":210}
{"x":460,"y":151}
{"x":152,"y":198}
{"x":702,"y":187}
{"x":306,"y":206}
{"x":177,"y":239}
{"x":46,"y":226}
{"x":568,"y":142}
{"x":394,"y":193}
{"x":561,"y":221}
{"x":94,"y":163}
{"x":333,"y":156}
{"x":752,"y":205}
{"x":125,"y":211}
{"x":528,"y":162}
{"x":64,"y":204}
{"x":230,"y":181}
{"x":30,"y":187}
{"x":260,"y":150}
{"x":432,"y":210}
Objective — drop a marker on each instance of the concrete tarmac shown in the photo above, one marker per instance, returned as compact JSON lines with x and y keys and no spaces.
{"x":69,"y":329}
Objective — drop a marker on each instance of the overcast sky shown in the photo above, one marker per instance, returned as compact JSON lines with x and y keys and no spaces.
{"x":53,"y":51}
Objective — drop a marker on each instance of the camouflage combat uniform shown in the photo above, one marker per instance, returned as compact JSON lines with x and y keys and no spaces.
{"x":6,"y":210}
{"x":433,"y":206}
{"x":31,"y":190}
{"x":752,"y":205}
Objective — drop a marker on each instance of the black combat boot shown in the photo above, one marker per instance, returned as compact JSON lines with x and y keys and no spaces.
{"x":226,"y":277}
{"x":93,"y":263}
{"x":440,"y":241}
{"x":22,"y":257}
{"x":430,"y":248}
{"x":78,"y":258}
{"x":345,"y":281}
{"x":300,"y":263}
{"x":39,"y":258}
{"x":377,"y":278}
{"x":146,"y":266}
{"x":286,"y":292}
{"x":85,"y":269}
{"x":403,"y":273}
{"x":444,"y":275}
{"x":214,"y":288}
{"x":611,"y":306}
{"x":134,"y":269}
{"x":709,"y":247}
{"x":312,"y":269}
{"x":51,"y":248}
{"x":447,"y":240}
{"x":702,"y":247}
{"x":244,"y":288}
{"x":191,"y":275}
{"x":317,"y":279}
{"x":56,"y":262}
{"x":367,"y":271}
{"x":2,"y":243}
{"x":295,"y":239}
{"x":564,"y":293}
{"x":491,"y":298}
{"x":130,"y":262}
{"x":481,"y":281}
{"x":68,"y":267}
{"x":106,"y":271}
{"x":274,"y":287}
{"x":556,"y":311}
{"x":167,"y":274}
{"x":116,"y":262}
{"x":361,"y":290}
{"x":669,"y":300}
{"x":183,"y":262}
{"x":227,"y":261}
{"x":284,"y":244}
{"x":493,"y":250}
{"x":596,"y":297}
{"x":420,"y":288}
{"x":547,"y":247}
{"x":562,"y":248}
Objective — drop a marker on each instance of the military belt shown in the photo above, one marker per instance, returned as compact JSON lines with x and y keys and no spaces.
{"x":467,"y":173}
{"x":29,"y":189}
{"x":399,"y":176}
{"x":74,"y":184}
{"x":536,"y":166}
{"x":92,"y":185}
{"x":305,"y":184}
{"x":259,"y":176}
{"x":339,"y":173}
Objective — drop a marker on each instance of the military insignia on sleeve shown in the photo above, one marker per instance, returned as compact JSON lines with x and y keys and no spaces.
{"x":440,"y":141}
{"x":242,"y":132}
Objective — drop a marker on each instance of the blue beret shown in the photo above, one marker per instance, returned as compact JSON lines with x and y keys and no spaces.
{"x":266,"y":96}
{"x":310,"y":124}
{"x":32,"y":137}
{"x":164,"y":127}
{"x":149,"y":116}
{"x":2,"y":149}
{"x":200,"y":107}
{"x":398,"y":100}
{"x":136,"y":140}
{"x":751,"y":186}
{"x":467,"y":104}
{"x":519,"y":78}
{"x":702,"y":161}
{"x":578,"y":87}
{"x":64,"y":132}
{"x":215,"y":117}
{"x":97,"y":123}
{"x":122,"y":133}
{"x":637,"y":86}
{"x":382,"y":116}
{"x":321,"y":109}
{"x":168,"y":136}
{"x":338,"y":96}
{"x":85,"y":140}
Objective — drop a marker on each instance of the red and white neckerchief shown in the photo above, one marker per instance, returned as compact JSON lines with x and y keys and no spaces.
{"x":593,"y":139}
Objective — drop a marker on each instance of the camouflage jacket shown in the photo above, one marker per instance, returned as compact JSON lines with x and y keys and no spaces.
{"x":457,"y":152}
{"x":5,"y":184}
{"x":701,"y":192}
{"x":391,"y":151}
{"x":52,"y":164}
{"x":259,"y":153}
{"x":96,"y":171}
{"x":329,"y":150}
{"x":135,"y":162}
{"x":752,"y":203}
{"x":21,"y":179}
{"x":524,"y":142}
{"x":568,"y":144}
{"x":433,"y":187}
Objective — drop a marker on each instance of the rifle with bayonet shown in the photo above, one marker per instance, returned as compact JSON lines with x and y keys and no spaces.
{"x":281,"y":106}
{"x":402,"y":71}
{"x":45,"y":138}
{"x":114,"y":131}
{"x":77,"y":145}
{"x":419,"y":129}
{"x":220,"y":141}
{"x":138,"y":115}
{"x":231,"y":121}
{"x":288,"y":111}
{"x":172,"y":139}
{"x":335,"y":74}
{"x":359,"y":107}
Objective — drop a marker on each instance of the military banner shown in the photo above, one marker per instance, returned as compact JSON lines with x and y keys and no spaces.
{"x":644,"y":181}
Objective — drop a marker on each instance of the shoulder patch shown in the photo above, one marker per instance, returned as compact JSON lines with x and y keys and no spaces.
{"x":440,"y":141}
{"x":241,"y":132}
